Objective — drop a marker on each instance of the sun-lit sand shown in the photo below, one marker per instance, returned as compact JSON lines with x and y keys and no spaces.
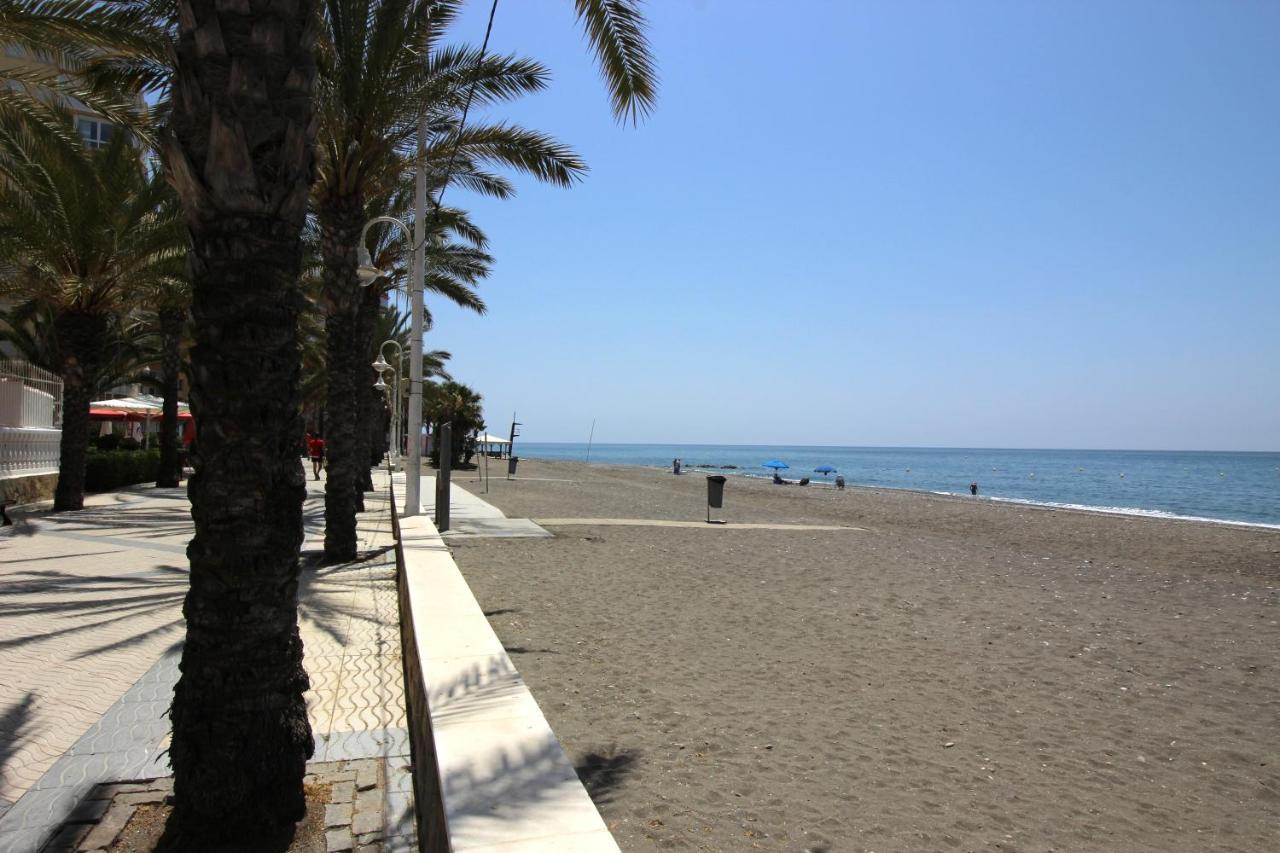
{"x":958,"y":675}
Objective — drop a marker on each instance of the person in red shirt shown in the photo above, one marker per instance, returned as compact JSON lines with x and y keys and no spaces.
{"x":315,"y":447}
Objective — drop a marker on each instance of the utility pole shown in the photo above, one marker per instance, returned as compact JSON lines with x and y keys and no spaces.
{"x":413,"y":471}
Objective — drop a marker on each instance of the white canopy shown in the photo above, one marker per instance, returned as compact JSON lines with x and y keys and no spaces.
{"x":143,"y":404}
{"x":485,"y":439}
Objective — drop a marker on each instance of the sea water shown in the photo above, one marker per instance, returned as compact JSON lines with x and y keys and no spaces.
{"x":1232,"y":487}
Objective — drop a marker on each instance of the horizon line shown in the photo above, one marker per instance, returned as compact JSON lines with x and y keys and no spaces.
{"x":901,"y":447}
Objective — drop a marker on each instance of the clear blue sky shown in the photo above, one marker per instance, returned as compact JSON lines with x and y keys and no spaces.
{"x":953,"y":224}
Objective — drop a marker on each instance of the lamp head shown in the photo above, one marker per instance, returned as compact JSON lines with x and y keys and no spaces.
{"x":380,"y":385}
{"x":381,"y":365}
{"x":365,"y":270}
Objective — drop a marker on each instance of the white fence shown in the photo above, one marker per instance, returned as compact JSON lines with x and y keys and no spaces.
{"x":25,"y":452}
{"x":29,"y":396}
{"x":30,"y":420}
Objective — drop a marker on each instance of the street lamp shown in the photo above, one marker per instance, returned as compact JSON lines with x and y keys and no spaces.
{"x":368,"y":273}
{"x":382,"y":366}
{"x":394,"y":405}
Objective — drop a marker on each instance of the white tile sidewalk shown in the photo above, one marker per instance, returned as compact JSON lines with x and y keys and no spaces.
{"x":88,"y":602}
{"x":472,"y":517}
{"x":91,"y":625}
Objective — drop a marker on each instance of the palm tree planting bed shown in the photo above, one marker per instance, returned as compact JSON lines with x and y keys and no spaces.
{"x":345,"y":811}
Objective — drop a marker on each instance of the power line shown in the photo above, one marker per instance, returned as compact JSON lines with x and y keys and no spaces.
{"x":457,"y":142}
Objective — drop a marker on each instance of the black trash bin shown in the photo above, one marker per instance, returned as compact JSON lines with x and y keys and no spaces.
{"x":512,"y":461}
{"x":715,"y":495}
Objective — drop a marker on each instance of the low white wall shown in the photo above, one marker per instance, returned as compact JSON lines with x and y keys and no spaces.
{"x":27,"y":452}
{"x":505,"y":781}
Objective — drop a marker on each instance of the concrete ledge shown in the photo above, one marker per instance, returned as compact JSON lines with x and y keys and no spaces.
{"x":505,"y":781}
{"x":27,"y":489}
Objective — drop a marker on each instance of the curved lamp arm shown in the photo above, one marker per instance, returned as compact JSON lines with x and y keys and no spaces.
{"x":365,"y":270}
{"x":381,"y":364}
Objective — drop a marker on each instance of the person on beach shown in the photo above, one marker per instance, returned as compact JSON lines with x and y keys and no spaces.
{"x":777,"y":479}
{"x":675,"y":466}
{"x":840,"y":482}
{"x":973,"y":488}
{"x":316,"y":449}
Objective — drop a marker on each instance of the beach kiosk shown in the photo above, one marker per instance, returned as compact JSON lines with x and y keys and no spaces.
{"x":493,"y":445}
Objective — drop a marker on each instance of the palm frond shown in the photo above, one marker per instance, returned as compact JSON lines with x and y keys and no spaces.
{"x":78,"y":52}
{"x":616,"y":32}
{"x":528,"y":151}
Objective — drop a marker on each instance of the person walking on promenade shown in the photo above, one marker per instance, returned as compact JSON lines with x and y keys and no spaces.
{"x":316,"y":448}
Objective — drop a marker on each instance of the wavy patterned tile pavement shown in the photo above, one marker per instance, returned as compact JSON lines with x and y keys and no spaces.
{"x":351,"y":637}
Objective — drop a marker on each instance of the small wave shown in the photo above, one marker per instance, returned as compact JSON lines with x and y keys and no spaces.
{"x":1137,"y":512}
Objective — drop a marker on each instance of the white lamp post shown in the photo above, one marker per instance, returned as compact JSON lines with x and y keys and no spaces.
{"x":382,"y":366}
{"x":367,"y":273}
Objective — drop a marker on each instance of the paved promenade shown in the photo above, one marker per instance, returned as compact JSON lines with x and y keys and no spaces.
{"x":470,"y":515}
{"x":90,"y":636}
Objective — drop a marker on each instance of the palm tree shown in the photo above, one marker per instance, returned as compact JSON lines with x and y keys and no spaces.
{"x":383,"y":74}
{"x":240,"y":154}
{"x":167,"y":300}
{"x":458,"y":405}
{"x":60,"y":52}
{"x":82,"y":235}
{"x":459,"y":260}
{"x":28,"y":327}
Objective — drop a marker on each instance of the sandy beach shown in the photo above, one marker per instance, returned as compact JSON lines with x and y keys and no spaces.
{"x":955,"y":674}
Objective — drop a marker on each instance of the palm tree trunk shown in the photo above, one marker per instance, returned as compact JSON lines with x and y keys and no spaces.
{"x":240,"y":156}
{"x":340,"y":439}
{"x":81,"y":338}
{"x":366,"y":397}
{"x":379,"y":429}
{"x":171,"y":321}
{"x":340,"y":224}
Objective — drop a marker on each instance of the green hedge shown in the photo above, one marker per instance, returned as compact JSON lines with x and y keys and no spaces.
{"x":111,"y":469}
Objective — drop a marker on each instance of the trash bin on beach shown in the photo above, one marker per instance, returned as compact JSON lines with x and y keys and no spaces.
{"x":715,"y":495}
{"x":512,"y":461}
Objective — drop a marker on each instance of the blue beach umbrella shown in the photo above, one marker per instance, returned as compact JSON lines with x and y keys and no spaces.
{"x":824,"y":470}
{"x":775,"y":465}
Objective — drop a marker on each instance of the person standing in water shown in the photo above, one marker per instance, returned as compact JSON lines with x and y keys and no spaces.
{"x":973,"y":488}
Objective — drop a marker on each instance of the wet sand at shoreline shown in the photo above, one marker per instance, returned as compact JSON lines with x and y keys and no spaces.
{"x":959,"y":674}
